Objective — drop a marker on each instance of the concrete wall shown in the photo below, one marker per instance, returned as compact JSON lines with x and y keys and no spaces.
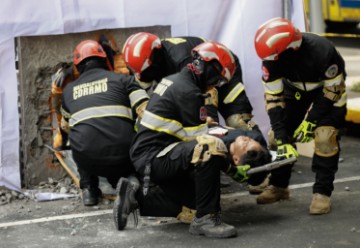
{"x":38,"y":60}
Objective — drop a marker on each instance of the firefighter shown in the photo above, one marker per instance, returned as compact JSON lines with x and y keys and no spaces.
{"x":67,"y":73}
{"x":304,"y":80}
{"x":100,"y":107}
{"x":150,"y":59}
{"x":172,"y":147}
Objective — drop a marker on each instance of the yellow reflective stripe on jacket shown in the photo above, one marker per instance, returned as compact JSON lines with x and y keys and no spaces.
{"x":98,"y":112}
{"x":171,"y":127}
{"x":307,"y":86}
{"x":274,"y":87}
{"x":334,"y":81}
{"x":342,"y":101}
{"x":137,"y":95}
{"x":234,"y":93}
{"x":64,"y":113}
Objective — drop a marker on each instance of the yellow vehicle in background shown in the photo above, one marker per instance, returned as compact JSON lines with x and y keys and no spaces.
{"x":339,"y":13}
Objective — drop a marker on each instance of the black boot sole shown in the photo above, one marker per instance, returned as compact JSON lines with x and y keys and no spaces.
{"x":120,"y":218}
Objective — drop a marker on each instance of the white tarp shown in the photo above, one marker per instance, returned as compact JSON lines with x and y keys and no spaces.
{"x":232,"y":22}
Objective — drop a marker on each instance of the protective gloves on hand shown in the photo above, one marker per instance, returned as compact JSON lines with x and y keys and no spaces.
{"x":305,"y":132}
{"x":285,"y":151}
{"x":240,"y":174}
{"x":212,"y":98}
{"x":62,"y":73}
{"x":242,"y":121}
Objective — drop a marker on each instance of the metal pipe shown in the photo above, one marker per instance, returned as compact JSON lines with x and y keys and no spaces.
{"x":286,"y":9}
{"x":317,"y":24}
{"x":47,"y":128}
{"x":55,"y":151}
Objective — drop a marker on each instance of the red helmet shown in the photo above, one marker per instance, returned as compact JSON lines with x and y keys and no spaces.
{"x":275,"y":36}
{"x":86,"y":49}
{"x":211,"y":50}
{"x":137,"y":51}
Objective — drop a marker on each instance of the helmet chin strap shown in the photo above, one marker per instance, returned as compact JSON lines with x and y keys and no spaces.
{"x":197,"y":75}
{"x":206,"y":74}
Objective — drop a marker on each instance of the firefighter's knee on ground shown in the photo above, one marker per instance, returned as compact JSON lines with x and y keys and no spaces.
{"x":326,"y":144}
{"x":206,"y":147}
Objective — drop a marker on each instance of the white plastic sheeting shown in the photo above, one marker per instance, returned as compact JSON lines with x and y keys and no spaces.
{"x":232,"y":22}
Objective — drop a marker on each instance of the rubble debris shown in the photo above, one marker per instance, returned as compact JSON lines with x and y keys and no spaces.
{"x":61,"y":186}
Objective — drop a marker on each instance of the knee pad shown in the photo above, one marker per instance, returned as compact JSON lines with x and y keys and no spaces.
{"x":207,"y":145}
{"x":326,"y":144}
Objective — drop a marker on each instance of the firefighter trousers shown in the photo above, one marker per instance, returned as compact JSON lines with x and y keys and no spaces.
{"x":297,"y":105}
{"x":90,"y":169}
{"x":180,"y":183}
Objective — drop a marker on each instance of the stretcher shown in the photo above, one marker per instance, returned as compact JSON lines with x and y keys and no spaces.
{"x":271,"y":166}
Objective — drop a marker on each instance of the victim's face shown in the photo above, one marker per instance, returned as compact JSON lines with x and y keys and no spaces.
{"x":241,"y":146}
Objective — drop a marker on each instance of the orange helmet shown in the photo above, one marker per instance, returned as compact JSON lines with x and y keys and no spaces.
{"x":86,"y":49}
{"x":211,"y":50}
{"x":137,"y":51}
{"x":275,"y":36}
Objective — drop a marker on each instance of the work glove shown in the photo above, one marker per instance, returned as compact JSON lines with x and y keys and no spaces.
{"x":108,"y":48}
{"x":57,"y":141}
{"x":240,"y":174}
{"x":62,"y":73}
{"x":285,"y":151}
{"x":242,"y":121}
{"x":251,"y":125}
{"x":212,"y":98}
{"x":305,"y":132}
